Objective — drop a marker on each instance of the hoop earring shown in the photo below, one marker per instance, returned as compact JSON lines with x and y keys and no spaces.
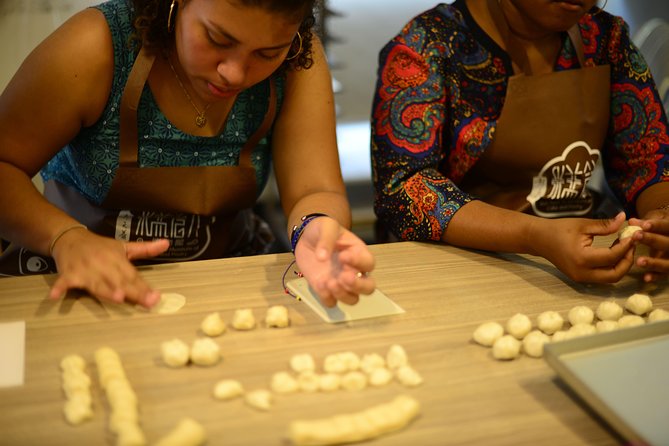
{"x":299,"y":50}
{"x":171,"y":17}
{"x":601,"y":9}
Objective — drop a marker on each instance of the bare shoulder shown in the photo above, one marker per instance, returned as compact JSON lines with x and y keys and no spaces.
{"x":68,"y":75}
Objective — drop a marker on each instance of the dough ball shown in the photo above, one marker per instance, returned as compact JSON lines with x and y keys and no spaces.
{"x":630,"y":320}
{"x":604,"y":326}
{"x":396,"y":357}
{"x":329,"y":382}
{"x":213,"y":325}
{"x":372,"y":361}
{"x":205,"y":351}
{"x":169,"y":303}
{"x":549,"y":322}
{"x":582,"y":330}
{"x":580,"y":314}
{"x":560,"y":335}
{"x":627,"y":231}
{"x":284,"y":382}
{"x":609,"y":311}
{"x":308,"y":381}
{"x":260,"y":399}
{"x":228,"y":389}
{"x":381,"y":376}
{"x":243,"y":319}
{"x":533,"y":343}
{"x":519,"y":325}
{"x":334,"y":363}
{"x":639,"y":304}
{"x":506,"y":347}
{"x":487,"y":333}
{"x":175,"y":353}
{"x":408,"y":376}
{"x":658,"y":315}
{"x":277,"y":317}
{"x":354,"y":381}
{"x":303,"y":362}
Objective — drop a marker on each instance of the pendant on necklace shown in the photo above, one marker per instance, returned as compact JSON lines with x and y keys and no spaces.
{"x":200,"y":120}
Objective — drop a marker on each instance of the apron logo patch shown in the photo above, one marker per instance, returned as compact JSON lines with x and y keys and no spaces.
{"x":560,"y":188}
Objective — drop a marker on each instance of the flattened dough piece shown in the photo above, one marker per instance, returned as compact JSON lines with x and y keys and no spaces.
{"x":354,"y":427}
{"x":627,"y":231}
{"x":227,"y":389}
{"x":169,"y":303}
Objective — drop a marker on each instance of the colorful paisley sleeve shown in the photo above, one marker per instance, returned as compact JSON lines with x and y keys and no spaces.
{"x":413,"y":199}
{"x":637,"y":147}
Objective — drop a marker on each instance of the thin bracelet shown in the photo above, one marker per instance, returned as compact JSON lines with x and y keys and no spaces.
{"x":62,"y":233}
{"x":298,"y":230}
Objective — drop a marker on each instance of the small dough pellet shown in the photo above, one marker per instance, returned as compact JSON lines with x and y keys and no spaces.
{"x":487,"y":333}
{"x":277,"y":317}
{"x":639,"y":304}
{"x":187,"y":432}
{"x":519,"y":325}
{"x":549,"y":322}
{"x":533,"y":343}
{"x":580,"y":314}
{"x":227,"y":389}
{"x":243,"y":319}
{"x":175,"y":353}
{"x":212,"y":325}
{"x":506,"y":347}
{"x":205,"y":352}
{"x":609,"y":311}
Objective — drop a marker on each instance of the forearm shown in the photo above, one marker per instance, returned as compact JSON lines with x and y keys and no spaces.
{"x":482,"y":226}
{"x":332,"y":204}
{"x":33,"y":221}
{"x":651,"y":198}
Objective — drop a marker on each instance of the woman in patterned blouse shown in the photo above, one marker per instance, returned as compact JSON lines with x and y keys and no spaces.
{"x":488,"y":121}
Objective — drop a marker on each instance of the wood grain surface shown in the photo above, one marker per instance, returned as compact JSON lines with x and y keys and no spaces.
{"x":468,"y":398}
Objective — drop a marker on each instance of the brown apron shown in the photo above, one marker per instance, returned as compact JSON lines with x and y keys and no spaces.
{"x":548,"y":136}
{"x":205,"y":212}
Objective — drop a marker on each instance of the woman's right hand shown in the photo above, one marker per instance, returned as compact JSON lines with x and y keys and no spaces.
{"x":568,"y":244}
{"x":102,"y":267}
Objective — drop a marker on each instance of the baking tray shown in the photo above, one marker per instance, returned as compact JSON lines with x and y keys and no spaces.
{"x":623,"y":375}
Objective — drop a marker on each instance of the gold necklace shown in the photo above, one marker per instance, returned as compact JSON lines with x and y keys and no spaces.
{"x":200,"y":118}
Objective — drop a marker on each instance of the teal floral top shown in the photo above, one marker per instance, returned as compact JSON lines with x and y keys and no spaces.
{"x":88,"y":163}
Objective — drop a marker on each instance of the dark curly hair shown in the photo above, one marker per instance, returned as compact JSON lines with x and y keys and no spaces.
{"x":151,"y":25}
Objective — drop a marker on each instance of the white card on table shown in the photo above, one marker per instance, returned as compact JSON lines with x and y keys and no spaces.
{"x":12,"y":352}
{"x":372,"y":305}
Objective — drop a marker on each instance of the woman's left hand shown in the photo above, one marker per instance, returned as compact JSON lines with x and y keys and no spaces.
{"x":655,"y":235}
{"x":335,"y":262}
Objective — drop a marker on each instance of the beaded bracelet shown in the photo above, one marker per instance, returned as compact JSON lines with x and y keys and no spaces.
{"x":62,"y":233}
{"x":298,"y":230}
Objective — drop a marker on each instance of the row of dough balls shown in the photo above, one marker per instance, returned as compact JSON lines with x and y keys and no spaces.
{"x":77,"y":387}
{"x":243,"y":319}
{"x":345,"y":370}
{"x":520,"y":335}
{"x":123,"y":402}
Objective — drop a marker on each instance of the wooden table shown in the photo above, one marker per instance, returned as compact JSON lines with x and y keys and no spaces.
{"x":467,"y":397}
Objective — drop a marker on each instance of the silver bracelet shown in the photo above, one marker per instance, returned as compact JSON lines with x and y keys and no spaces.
{"x":61,"y":233}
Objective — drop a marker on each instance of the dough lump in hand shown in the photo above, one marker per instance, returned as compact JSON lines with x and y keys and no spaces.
{"x":639,"y":304}
{"x":487,"y":333}
{"x":627,"y":231}
{"x":519,"y":325}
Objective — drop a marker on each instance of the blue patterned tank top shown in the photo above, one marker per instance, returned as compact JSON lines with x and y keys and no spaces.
{"x":88,"y":163}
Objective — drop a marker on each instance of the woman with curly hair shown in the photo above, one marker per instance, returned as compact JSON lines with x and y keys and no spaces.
{"x":153,"y":124}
